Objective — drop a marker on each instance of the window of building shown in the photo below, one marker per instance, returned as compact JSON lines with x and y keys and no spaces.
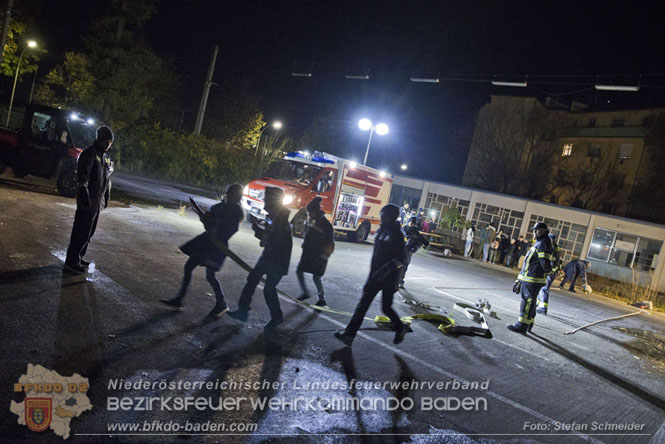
{"x":601,"y":244}
{"x":567,"y":150}
{"x":592,"y":122}
{"x":617,"y":180}
{"x":625,"y":151}
{"x":593,"y":151}
{"x":624,"y":250}
{"x":618,"y":121}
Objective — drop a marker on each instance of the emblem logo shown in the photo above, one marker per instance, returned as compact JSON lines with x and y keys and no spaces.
{"x":38,"y":413}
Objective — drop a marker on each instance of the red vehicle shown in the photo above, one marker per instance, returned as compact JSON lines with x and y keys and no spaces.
{"x":47,"y":145}
{"x":352,"y":194}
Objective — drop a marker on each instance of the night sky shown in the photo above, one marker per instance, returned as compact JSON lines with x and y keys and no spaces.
{"x":263,"y":42}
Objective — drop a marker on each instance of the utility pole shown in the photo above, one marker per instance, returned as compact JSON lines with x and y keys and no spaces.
{"x":5,"y":28}
{"x":206,"y":90}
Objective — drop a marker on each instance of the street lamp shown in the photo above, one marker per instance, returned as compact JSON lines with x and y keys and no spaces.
{"x":403,"y":167}
{"x":30,"y":44}
{"x":366,"y":124}
{"x":276,"y":125}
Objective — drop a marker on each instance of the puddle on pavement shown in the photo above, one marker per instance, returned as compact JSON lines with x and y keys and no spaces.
{"x":648,"y":345}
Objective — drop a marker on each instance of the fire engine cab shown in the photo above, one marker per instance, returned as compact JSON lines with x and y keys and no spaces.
{"x":352,"y":194}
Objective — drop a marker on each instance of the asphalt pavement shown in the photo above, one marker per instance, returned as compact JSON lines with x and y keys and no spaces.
{"x":591,"y":386}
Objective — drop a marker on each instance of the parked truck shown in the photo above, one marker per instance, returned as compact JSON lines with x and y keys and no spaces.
{"x":47,"y":145}
{"x":352,"y":194}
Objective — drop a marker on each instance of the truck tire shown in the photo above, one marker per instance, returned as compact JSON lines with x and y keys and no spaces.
{"x":298,"y":223}
{"x":67,"y":181}
{"x":360,"y":235}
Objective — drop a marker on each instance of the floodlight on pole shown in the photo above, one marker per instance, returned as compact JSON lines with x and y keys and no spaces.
{"x":403,"y":167}
{"x":625,"y":88}
{"x":29,"y":44}
{"x":366,"y":124}
{"x":516,"y":84}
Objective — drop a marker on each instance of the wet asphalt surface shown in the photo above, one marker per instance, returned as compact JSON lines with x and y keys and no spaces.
{"x":113,"y":328}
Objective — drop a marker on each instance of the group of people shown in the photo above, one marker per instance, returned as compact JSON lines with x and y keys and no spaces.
{"x":424,"y":223}
{"x":394,"y":245}
{"x":496,"y":247}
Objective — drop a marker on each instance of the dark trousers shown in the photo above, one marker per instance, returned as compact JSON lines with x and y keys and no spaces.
{"x":572,"y":282}
{"x":190,"y":265}
{"x":269,"y":289}
{"x":85,"y":224}
{"x":317,"y":281}
{"x":529,"y":293}
{"x":370,"y":291}
{"x":405,"y":265}
{"x":544,"y":294}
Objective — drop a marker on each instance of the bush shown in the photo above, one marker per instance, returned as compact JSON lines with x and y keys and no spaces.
{"x":186,"y":158}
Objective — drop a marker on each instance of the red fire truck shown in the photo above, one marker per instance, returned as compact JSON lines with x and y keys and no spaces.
{"x":352,"y":194}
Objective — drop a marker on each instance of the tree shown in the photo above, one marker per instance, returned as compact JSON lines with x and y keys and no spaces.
{"x":648,"y":198}
{"x":14,"y":47}
{"x":513,"y":149}
{"x":68,"y":83}
{"x":131,"y":81}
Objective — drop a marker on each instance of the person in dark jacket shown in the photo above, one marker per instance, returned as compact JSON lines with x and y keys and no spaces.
{"x":387,"y":259}
{"x":522,"y":250}
{"x":276,"y":239}
{"x":93,"y":193}
{"x":504,"y":246}
{"x":221,"y":222}
{"x":544,"y":294}
{"x":532,"y":277}
{"x":317,"y":247}
{"x":414,"y":240}
{"x":573,"y":270}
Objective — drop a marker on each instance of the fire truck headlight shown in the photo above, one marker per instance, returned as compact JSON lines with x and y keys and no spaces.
{"x":246,"y":190}
{"x":288,"y":199}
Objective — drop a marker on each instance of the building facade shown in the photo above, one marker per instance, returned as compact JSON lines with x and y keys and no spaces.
{"x":588,"y":160}
{"x":619,"y":248}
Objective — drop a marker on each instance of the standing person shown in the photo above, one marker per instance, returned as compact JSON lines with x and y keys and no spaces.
{"x":522,"y":250}
{"x":276,"y":239}
{"x":387,"y":259}
{"x":484,"y":243}
{"x":511,"y":257}
{"x":504,"y":244}
{"x":494,"y":250}
{"x":532,"y":277}
{"x":221,"y":222}
{"x":414,"y":240}
{"x":426,"y":225}
{"x":316,"y":249}
{"x":469,"y":235}
{"x":93,"y":193}
{"x":573,"y":270}
{"x":404,"y":213}
{"x":544,"y":294}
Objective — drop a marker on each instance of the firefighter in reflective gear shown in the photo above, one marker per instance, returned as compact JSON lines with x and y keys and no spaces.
{"x":544,"y":294}
{"x":537,"y":265}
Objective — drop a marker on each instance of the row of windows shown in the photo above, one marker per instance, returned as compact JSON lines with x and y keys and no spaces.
{"x":624,"y":250}
{"x":615,"y":122}
{"x":625,"y":151}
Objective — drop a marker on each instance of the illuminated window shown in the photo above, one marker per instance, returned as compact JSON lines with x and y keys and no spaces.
{"x":567,"y":150}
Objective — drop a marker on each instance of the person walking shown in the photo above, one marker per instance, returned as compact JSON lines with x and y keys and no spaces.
{"x":414,"y":240}
{"x":317,"y":247}
{"x":93,"y":192}
{"x":387,"y":259}
{"x":544,"y":293}
{"x":276,"y":239}
{"x":221,"y":222}
{"x":532,"y":277}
